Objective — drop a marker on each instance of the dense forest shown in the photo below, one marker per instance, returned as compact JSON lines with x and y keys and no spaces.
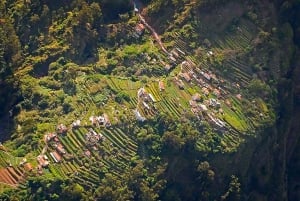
{"x":149,"y":100}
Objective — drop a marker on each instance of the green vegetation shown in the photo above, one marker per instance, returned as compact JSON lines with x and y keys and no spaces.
{"x":120,"y":115}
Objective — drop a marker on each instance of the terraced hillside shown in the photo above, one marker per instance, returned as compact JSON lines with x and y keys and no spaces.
{"x":127,"y":99}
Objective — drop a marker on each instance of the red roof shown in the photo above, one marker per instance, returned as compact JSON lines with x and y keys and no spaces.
{"x":161,"y":85}
{"x":28,"y":166}
{"x":140,"y":27}
{"x":56,"y":156}
{"x":42,"y":161}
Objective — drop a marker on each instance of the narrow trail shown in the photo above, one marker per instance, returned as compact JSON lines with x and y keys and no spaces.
{"x":155,"y":35}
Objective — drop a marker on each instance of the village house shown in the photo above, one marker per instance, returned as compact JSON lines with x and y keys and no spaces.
{"x":56,"y":157}
{"x":196,"y":97}
{"x":93,"y":120}
{"x":50,"y":136}
{"x":172,"y":59}
{"x":185,"y":76}
{"x":43,"y":160}
{"x":144,"y":96}
{"x":138,"y":116}
{"x":168,"y":67}
{"x":61,"y":129}
{"x":100,"y":120}
{"x":60,"y":148}
{"x":205,"y":91}
{"x":152,"y":98}
{"x":184,"y":66}
{"x":193,"y":104}
{"x":203,"y":107}
{"x":76,"y":124}
{"x":92,"y":137}
{"x":28,"y":167}
{"x":87,"y":153}
{"x":107,"y":122}
{"x":139,"y":29}
{"x":214,"y":103}
{"x":179,"y":83}
{"x":146,"y":106}
{"x":161,"y":85}
{"x":194,"y":110}
{"x":175,"y":53}
{"x":206,"y":76}
{"x":217,"y":93}
{"x":141,"y":92}
{"x":239,"y":96}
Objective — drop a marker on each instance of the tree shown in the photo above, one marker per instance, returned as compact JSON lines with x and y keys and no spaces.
{"x":233,"y":192}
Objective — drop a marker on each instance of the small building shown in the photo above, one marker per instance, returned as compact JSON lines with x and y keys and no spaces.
{"x":186,"y":77}
{"x":139,"y":29}
{"x":207,"y":76}
{"x":196,"y":97}
{"x":180,"y":51}
{"x":175,"y":53}
{"x":239,"y":96}
{"x":205,"y":91}
{"x":28,"y":167}
{"x":168,"y":67}
{"x":43,"y":160}
{"x":87,"y":153}
{"x":93,"y":120}
{"x":193,"y":103}
{"x":60,"y":149}
{"x":161,"y":85}
{"x":50,"y":136}
{"x":203,"y":107}
{"x":100,"y":120}
{"x":228,"y":103}
{"x":61,"y":129}
{"x":56,"y":157}
{"x":217,"y":92}
{"x":146,"y":105}
{"x":76,"y":124}
{"x":107,"y":122}
{"x":172,"y":59}
{"x":141,"y":92}
{"x":92,"y":137}
{"x":214,"y":103}
{"x":152,"y":97}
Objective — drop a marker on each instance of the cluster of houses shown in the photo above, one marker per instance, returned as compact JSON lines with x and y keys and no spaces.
{"x":145,"y":103}
{"x":210,"y":84}
{"x":92,"y":138}
{"x":53,"y":141}
{"x":201,"y":109}
{"x":102,"y":120}
{"x":174,"y":57}
{"x":57,"y":149}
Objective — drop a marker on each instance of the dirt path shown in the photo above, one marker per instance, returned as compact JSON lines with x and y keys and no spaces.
{"x":155,"y":35}
{"x":143,"y":20}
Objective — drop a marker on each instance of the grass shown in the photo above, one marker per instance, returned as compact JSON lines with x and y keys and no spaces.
{"x":234,"y":120}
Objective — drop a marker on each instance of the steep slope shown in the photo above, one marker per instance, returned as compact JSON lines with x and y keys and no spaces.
{"x":177,"y":100}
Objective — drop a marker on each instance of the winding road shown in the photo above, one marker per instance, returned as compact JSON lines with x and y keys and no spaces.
{"x":155,"y":35}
